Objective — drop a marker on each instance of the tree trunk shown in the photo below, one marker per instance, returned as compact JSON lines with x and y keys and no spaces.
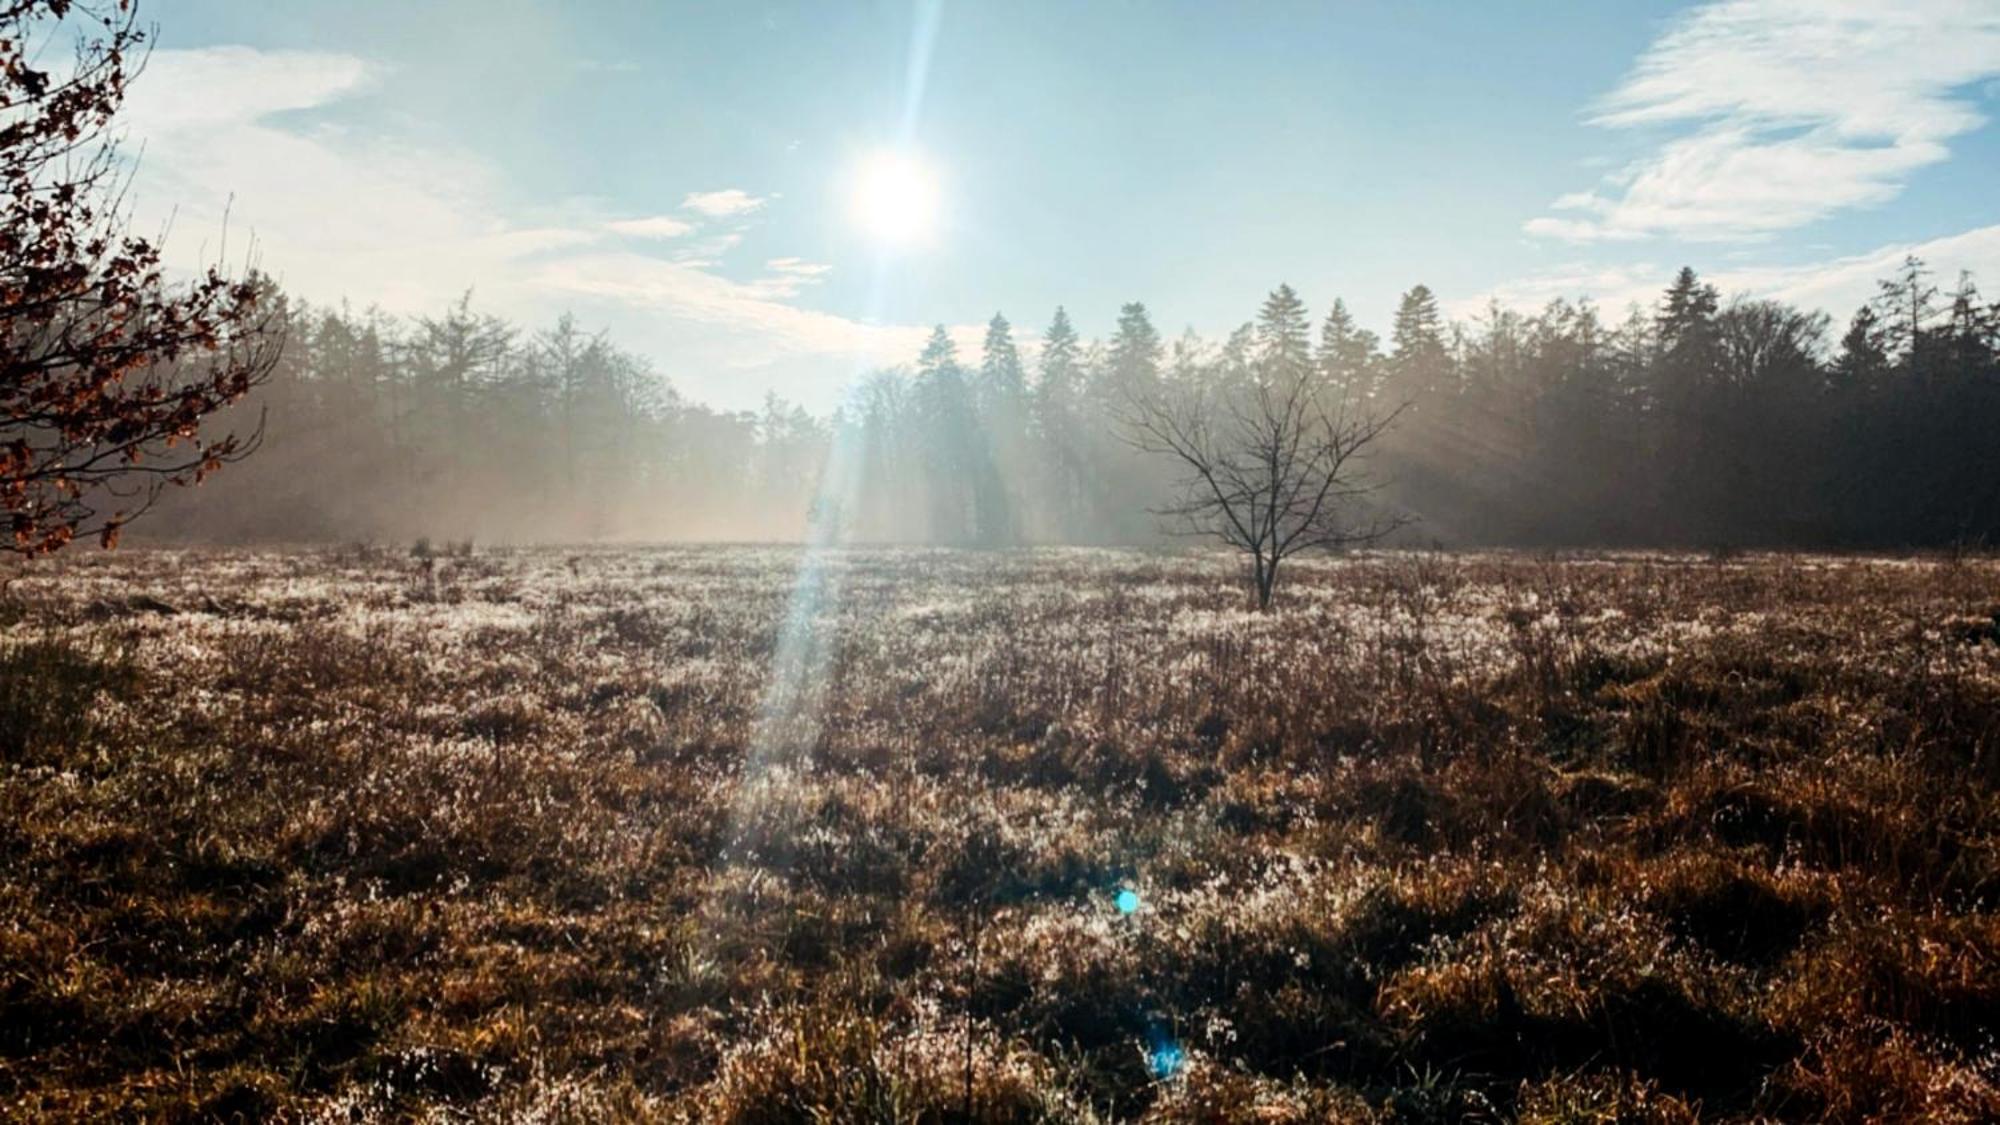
{"x":1267,"y":581}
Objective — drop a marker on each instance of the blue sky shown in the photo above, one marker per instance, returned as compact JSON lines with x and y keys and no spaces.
{"x":682,"y":174}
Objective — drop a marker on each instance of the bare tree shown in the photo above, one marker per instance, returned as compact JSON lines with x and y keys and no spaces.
{"x":1271,"y":466}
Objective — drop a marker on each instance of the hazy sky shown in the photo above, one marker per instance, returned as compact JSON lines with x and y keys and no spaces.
{"x":685,"y":175}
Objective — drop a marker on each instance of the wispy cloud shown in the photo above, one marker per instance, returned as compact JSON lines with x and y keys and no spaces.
{"x":758,"y":328}
{"x":340,"y":212}
{"x":653,"y":226}
{"x":786,"y":277}
{"x":1797,"y":110}
{"x":1840,"y":285}
{"x":1611,"y":287}
{"x":727,"y":203}
{"x":230,"y":85}
{"x":335,"y":212}
{"x":798,"y":266}
{"x":1837,"y":286}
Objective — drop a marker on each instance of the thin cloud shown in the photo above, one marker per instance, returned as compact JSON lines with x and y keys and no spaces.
{"x":652,"y":226}
{"x":337,"y":212}
{"x":232,"y":85}
{"x":1840,"y":285}
{"x":787,"y":277}
{"x":1797,"y":111}
{"x":710,"y":250}
{"x":1836,"y":286}
{"x":797,"y":266}
{"x":724,"y":204}
{"x":1612,"y":288}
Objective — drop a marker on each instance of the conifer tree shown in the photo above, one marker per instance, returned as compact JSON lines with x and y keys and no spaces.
{"x":1419,"y":363}
{"x":1346,"y":356}
{"x":1133,"y":362}
{"x":1284,"y":350}
{"x":1056,"y":412}
{"x":1000,"y":399}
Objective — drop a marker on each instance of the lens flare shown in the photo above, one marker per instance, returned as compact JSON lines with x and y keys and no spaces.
{"x":1165,"y":1059}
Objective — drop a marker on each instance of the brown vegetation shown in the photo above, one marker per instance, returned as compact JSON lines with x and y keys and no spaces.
{"x":109,"y":373}
{"x":542,"y":835}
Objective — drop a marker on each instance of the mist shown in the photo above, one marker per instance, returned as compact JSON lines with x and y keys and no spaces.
{"x":1698,"y":421}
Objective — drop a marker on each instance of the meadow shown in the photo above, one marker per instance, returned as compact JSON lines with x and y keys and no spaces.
{"x":766,"y":835}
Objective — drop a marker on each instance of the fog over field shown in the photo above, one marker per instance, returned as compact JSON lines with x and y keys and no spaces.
{"x":916,"y":561}
{"x":1742,"y":422}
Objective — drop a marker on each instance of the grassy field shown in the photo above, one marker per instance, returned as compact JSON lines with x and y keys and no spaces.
{"x":740,"y":834}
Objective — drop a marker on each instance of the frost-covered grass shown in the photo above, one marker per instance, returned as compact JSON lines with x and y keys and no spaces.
{"x":669,"y":834}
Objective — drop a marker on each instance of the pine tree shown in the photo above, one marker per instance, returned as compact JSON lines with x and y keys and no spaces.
{"x":1688,"y":360}
{"x":1419,"y":364}
{"x":1907,"y":304}
{"x":1001,"y":401}
{"x":1284,"y":351}
{"x":1061,"y":370}
{"x":1120,"y":484}
{"x":1133,"y":364}
{"x":939,"y":359}
{"x":948,"y":434}
{"x":1863,"y":362}
{"x":1682,"y":386}
{"x":1968,"y":330}
{"x":1055,"y":410}
{"x":1001,"y":379}
{"x":1346,"y":356}
{"x":1686,"y":322}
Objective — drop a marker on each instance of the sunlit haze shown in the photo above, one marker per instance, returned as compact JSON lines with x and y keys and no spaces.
{"x":895,"y":197}
{"x":684,"y":175}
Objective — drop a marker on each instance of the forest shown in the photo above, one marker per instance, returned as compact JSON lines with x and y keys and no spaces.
{"x":1703,"y":422}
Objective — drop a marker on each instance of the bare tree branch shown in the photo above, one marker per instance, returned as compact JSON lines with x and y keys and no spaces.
{"x":108,"y":374}
{"x":1272,"y":469}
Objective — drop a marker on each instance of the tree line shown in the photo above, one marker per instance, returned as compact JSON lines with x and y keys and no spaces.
{"x":463,"y":426}
{"x":1700,"y":422}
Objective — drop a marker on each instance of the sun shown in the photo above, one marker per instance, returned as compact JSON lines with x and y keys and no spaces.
{"x":895,"y":198}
